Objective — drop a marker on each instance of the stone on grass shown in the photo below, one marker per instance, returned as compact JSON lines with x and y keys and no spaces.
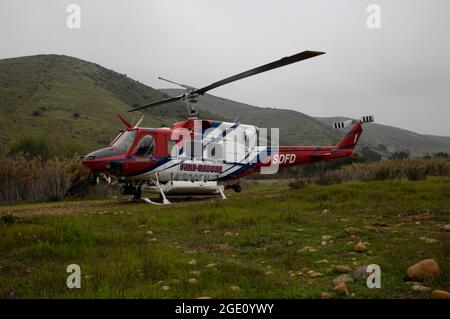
{"x":192,"y":262}
{"x":165,"y":288}
{"x":235,"y":288}
{"x":422,"y":270}
{"x":314,"y":274}
{"x":440,"y":294}
{"x":360,"y":247}
{"x":342,"y":269}
{"x":345,"y":278}
{"x":351,"y":230}
{"x":192,"y":281}
{"x":420,"y":288}
{"x":446,"y":227}
{"x":325,"y":295}
{"x":341,"y":289}
{"x":361,"y":272}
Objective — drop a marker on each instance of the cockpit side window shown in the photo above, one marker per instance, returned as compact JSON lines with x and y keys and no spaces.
{"x":145,"y":146}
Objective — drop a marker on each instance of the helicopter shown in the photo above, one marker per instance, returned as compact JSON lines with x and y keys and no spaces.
{"x":199,"y":157}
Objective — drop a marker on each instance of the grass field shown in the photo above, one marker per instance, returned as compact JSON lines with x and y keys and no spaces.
{"x":254,"y":240}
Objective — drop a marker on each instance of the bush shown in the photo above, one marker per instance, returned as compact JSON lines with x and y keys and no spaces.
{"x":31,"y":147}
{"x":411,"y":169}
{"x":29,"y":180}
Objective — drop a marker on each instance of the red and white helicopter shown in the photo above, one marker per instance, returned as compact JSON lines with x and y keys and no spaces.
{"x":203,"y":157}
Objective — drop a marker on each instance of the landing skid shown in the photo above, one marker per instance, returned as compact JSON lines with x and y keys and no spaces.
{"x":171,"y":189}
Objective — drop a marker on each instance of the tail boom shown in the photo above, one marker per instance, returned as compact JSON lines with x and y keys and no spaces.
{"x":298,"y":155}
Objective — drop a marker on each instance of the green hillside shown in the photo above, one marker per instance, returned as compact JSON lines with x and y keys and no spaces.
{"x":298,"y":128}
{"x":396,"y":139}
{"x":70,"y":101}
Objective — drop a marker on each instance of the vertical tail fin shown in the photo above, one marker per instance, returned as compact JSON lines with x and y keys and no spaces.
{"x":352,"y":136}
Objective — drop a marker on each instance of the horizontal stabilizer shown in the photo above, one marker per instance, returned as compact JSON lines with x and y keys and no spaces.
{"x":342,"y":124}
{"x":367,"y":119}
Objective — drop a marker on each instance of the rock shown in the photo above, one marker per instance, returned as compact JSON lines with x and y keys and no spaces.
{"x":440,"y":294}
{"x":342,"y":269}
{"x":341,"y":289}
{"x":323,"y":243}
{"x":326,"y":211}
{"x":210,"y":265}
{"x":445,"y":228}
{"x":192,"y":262}
{"x":322,"y":261}
{"x":326,"y":237}
{"x":192,"y":281}
{"x":351,"y":230}
{"x":235,"y":288}
{"x":149,"y":232}
{"x":308,"y":249}
{"x":345,"y":278}
{"x":325,"y":295}
{"x":268,"y":273}
{"x":206,"y":231}
{"x":290,"y":243}
{"x":361,"y":272}
{"x":165,"y":288}
{"x":360,"y":247}
{"x":228,"y":234}
{"x":430,"y":240}
{"x":424,"y":269}
{"x":314,"y":274}
{"x":420,"y":288}
{"x":195,"y":272}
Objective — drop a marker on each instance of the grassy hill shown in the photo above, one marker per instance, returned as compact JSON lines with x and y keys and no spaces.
{"x":72,"y":104}
{"x":70,"y":101}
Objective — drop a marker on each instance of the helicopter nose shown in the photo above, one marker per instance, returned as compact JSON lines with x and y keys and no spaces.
{"x":99,"y":160}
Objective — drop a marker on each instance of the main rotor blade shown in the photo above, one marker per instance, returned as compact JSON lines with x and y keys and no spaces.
{"x":172,"y":99}
{"x":266,"y":67}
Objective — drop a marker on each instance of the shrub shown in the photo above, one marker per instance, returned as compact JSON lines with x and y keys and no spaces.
{"x":25,"y":179}
{"x":31,"y":147}
{"x":411,"y":169}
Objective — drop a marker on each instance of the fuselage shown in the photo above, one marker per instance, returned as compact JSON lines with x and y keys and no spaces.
{"x":203,"y":150}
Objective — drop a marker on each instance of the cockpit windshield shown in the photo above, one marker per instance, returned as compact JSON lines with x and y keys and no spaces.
{"x":125,"y":141}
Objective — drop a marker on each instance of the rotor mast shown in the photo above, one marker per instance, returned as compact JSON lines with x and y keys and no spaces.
{"x":190,"y":99}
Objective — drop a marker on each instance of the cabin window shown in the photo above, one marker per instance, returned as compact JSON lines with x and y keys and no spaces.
{"x":124,"y":141}
{"x":145,"y":146}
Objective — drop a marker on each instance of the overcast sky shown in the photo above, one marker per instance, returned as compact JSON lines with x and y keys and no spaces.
{"x":400,"y":73}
